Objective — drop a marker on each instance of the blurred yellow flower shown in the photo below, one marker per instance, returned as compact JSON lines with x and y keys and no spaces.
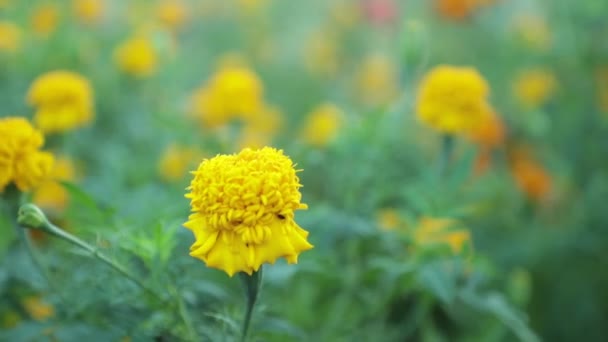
{"x":88,"y":11}
{"x":259,"y":129}
{"x":601,"y":86}
{"x":243,"y":211}
{"x":44,"y":19}
{"x":323,"y":124}
{"x":173,"y":14}
{"x":176,"y":161}
{"x":21,"y":161}
{"x":37,"y":309}
{"x":51,"y":195}
{"x":433,"y":231}
{"x":10,"y":37}
{"x":321,"y":54}
{"x":377,"y":79}
{"x":388,"y":219}
{"x":452,"y":99}
{"x":137,"y":56}
{"x":233,"y":92}
{"x":533,"y":31}
{"x":534,"y":87}
{"x":346,"y":14}
{"x":63,"y":101}
{"x":252,"y":6}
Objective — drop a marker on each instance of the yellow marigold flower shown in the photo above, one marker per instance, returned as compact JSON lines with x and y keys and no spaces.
{"x":176,"y":161}
{"x":321,"y":54}
{"x":172,"y":14}
{"x":322,"y":124}
{"x":534,"y":31}
{"x":601,"y":83}
{"x":377,"y":79}
{"x":20,"y":160}
{"x":452,"y":99}
{"x":388,"y":219}
{"x":51,"y":194}
{"x":533,"y":88}
{"x":259,"y":130}
{"x":234,"y":92}
{"x":432,"y":231}
{"x":137,"y":57}
{"x":10,"y":37}
{"x":88,"y":11}
{"x":44,"y":19}
{"x":63,"y":101}
{"x":37,"y":308}
{"x":243,"y":211}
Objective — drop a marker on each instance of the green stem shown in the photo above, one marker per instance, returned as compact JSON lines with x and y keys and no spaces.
{"x":185,"y":316}
{"x":447,"y":147}
{"x":252,"y":284}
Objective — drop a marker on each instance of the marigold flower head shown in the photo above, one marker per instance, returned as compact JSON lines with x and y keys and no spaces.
{"x":37,"y":308}
{"x":456,"y":9}
{"x":44,"y":19}
{"x":10,"y":37}
{"x":490,"y":133}
{"x":88,"y":11}
{"x":431,"y":231}
{"x":176,"y":160}
{"x":531,"y":177}
{"x":63,"y":101}
{"x":534,"y":87}
{"x":173,"y":14}
{"x":243,"y":211}
{"x":452,"y":99}
{"x":388,"y":219}
{"x":137,"y":56}
{"x":377,"y":79}
{"x":322,"y":124}
{"x":51,"y":194}
{"x":21,"y":162}
{"x":234,"y":91}
{"x":533,"y":31}
{"x":321,"y":53}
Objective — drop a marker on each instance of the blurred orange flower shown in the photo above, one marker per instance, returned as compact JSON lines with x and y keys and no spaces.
{"x":531,"y":177}
{"x":490,"y":133}
{"x":88,"y":11}
{"x":173,"y":14}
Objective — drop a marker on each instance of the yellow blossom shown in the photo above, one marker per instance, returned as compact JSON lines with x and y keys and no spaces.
{"x":176,"y":160}
{"x":534,"y":87}
{"x":534,"y":31}
{"x":21,"y":161}
{"x":172,"y":14}
{"x":388,"y":219}
{"x":452,"y":99}
{"x":37,"y":308}
{"x":233,"y":92}
{"x":44,"y":19}
{"x":137,"y":56}
{"x":322,"y":124}
{"x":259,"y":129}
{"x":432,"y":231}
{"x":601,"y":83}
{"x":51,"y":194}
{"x":321,"y":54}
{"x":243,"y":211}
{"x":63,"y":101}
{"x":10,"y":37}
{"x":88,"y":11}
{"x":377,"y":79}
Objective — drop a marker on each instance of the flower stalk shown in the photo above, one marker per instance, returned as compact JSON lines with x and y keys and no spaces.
{"x":30,"y":216}
{"x":252,"y":285}
{"x":447,"y":147}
